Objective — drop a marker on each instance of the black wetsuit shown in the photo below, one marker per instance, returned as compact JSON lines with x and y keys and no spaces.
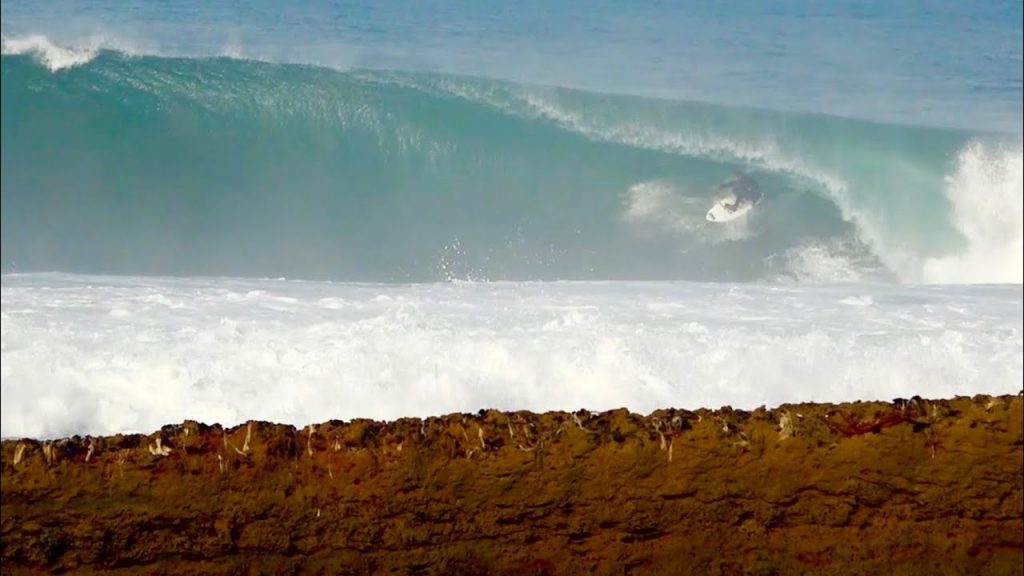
{"x":745,"y":189}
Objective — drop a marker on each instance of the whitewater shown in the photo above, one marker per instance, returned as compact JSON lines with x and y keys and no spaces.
{"x":101,"y":355}
{"x":381,"y":223}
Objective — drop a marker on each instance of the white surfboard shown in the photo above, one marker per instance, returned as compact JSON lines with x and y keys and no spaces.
{"x":720,"y":212}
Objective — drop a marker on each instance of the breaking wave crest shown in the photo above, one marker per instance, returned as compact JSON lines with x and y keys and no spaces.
{"x":239,"y":167}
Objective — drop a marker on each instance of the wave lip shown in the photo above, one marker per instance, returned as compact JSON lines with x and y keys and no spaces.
{"x":50,"y":55}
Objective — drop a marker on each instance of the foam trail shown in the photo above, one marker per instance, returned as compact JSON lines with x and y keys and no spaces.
{"x":658,"y":206}
{"x":837,"y":261}
{"x":655,"y":205}
{"x":985,"y":192}
{"x":102,"y":355}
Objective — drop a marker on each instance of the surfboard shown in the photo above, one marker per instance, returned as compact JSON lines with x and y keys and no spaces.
{"x":719,"y":213}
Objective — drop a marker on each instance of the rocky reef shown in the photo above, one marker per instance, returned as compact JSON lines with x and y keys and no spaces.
{"x":908,"y":487}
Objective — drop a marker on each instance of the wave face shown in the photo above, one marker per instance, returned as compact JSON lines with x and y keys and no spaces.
{"x":200,"y":166}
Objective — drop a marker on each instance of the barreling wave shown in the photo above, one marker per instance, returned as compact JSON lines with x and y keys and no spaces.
{"x":146,"y":164}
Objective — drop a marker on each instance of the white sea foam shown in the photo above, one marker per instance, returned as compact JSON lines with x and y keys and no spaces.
{"x":52,"y":56}
{"x":657,"y":206}
{"x":101,"y":355}
{"x":835,"y":261}
{"x":987,"y":195}
{"x":61,"y":55}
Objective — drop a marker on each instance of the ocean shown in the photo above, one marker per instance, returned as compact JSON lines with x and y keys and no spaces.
{"x":301,"y":211}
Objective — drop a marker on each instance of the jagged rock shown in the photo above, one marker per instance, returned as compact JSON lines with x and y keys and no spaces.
{"x":909,"y":487}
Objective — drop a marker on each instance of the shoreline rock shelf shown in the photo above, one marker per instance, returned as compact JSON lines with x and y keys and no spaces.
{"x":906,"y":487}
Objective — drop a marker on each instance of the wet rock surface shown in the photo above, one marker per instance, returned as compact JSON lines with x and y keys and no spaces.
{"x":909,"y":487}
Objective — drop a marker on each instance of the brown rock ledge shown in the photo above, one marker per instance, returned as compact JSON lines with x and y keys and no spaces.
{"x":909,"y":487}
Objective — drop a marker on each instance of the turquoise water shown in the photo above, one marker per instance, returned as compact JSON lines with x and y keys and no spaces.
{"x":151,"y":153}
{"x":414,"y":142}
{"x":939,"y":62}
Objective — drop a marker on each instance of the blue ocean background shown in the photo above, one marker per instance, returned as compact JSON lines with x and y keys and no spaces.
{"x":424,"y":141}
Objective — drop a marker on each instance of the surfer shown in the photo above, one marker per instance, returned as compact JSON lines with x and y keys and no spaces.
{"x":744,"y":191}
